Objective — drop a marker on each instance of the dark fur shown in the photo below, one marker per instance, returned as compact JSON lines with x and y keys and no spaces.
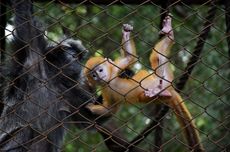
{"x":43,"y":88}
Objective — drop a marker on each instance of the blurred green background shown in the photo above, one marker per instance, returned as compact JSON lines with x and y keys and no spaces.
{"x":206,"y":94}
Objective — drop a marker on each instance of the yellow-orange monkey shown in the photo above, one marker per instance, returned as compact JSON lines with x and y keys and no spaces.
{"x":143,"y":87}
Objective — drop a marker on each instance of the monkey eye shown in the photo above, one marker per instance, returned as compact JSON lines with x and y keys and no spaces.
{"x":100,"y":70}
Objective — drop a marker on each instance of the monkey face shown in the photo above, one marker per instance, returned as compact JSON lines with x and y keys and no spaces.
{"x":100,"y":73}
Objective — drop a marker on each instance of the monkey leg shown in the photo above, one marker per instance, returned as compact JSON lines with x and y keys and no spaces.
{"x":128,"y":49}
{"x":159,"y":61}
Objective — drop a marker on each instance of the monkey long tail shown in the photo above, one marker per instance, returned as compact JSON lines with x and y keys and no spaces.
{"x":187,"y":125}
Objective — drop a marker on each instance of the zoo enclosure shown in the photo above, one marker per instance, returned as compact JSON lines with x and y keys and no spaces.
{"x":192,"y":31}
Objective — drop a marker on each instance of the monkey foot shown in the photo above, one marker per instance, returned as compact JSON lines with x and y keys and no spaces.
{"x":167,"y":27}
{"x":157,"y":92}
{"x":127,"y":27}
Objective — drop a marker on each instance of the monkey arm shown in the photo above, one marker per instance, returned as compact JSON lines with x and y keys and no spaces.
{"x":128,"y":49}
{"x":24,"y":21}
{"x":128,"y":46}
{"x":28,"y":38}
{"x":107,"y":108}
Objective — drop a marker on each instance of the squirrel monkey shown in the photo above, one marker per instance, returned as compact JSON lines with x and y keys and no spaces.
{"x":144,"y":86}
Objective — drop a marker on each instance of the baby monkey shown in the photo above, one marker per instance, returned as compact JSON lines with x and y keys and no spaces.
{"x":144,"y":86}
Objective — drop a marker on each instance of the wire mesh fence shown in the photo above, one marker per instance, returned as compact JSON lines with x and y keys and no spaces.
{"x":45,"y":94}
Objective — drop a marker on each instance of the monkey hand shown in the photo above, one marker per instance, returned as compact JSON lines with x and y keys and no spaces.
{"x":157,"y":92}
{"x":90,"y":106}
{"x":126,"y":31}
{"x":98,"y":109}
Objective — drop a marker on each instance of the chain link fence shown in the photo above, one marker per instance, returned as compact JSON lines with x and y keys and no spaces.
{"x":199,"y":60}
